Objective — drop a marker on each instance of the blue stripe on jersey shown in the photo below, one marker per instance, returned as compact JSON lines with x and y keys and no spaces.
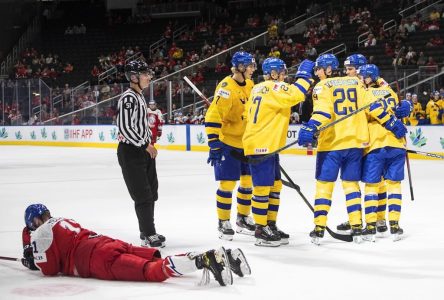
{"x":213,"y":136}
{"x":320,"y":213}
{"x":259,"y":211}
{"x":273,"y":207}
{"x":275,"y":195}
{"x":322,"y":201}
{"x":354,"y":207}
{"x":381,"y":208}
{"x":316,"y":123}
{"x":382,"y":196}
{"x":223,"y":205}
{"x":244,"y":191}
{"x":211,"y":124}
{"x":395,"y":196}
{"x":382,"y":115}
{"x":243,"y":201}
{"x":371,"y":197}
{"x":394,"y":207}
{"x":352,"y":196}
{"x":224,"y":194}
{"x":327,"y":115}
{"x":301,"y":88}
{"x":262,"y":199}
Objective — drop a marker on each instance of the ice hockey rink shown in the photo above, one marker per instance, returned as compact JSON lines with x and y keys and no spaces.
{"x":86,"y":184}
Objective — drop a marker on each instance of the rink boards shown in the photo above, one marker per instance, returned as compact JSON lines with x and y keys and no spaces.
{"x":180,"y":137}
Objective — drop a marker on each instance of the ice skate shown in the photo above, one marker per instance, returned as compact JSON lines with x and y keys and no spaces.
{"x":152,"y":241}
{"x":215,"y":261}
{"x":344,"y":227}
{"x":226,"y":232}
{"x":369,"y":232}
{"x":245,"y":225}
{"x":266,"y":237}
{"x":381,"y":228}
{"x":317,"y":234}
{"x":238,"y":262}
{"x":356,"y":232}
{"x":284,"y":236}
{"x":396,"y":231}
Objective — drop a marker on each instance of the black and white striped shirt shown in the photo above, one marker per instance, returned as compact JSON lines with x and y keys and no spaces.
{"x":132,"y":119}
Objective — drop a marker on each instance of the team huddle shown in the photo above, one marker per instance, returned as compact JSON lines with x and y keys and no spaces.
{"x":251,"y":121}
{"x":367,"y":146}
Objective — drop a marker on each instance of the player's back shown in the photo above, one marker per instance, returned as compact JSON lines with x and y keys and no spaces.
{"x":379,"y":136}
{"x":334,"y":98}
{"x":54,"y":244}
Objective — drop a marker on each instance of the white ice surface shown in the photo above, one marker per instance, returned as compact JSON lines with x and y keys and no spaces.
{"x":87,"y":185}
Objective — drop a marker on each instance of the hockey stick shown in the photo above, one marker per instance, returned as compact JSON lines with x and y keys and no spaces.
{"x":256,"y":160}
{"x":291,"y":184}
{"x":409,"y":174}
{"x":10,"y":258}
{"x":426,"y":154}
{"x":197,"y":90}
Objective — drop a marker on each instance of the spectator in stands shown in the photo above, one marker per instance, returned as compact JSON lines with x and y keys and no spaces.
{"x":310,"y":51}
{"x":435,"y":41}
{"x":422,"y":60}
{"x":371,"y":41}
{"x":434,"y":15}
{"x":410,"y":57}
{"x":68,"y":68}
{"x":431,"y":62}
{"x":274,"y":52}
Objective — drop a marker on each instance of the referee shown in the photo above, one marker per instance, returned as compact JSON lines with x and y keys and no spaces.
{"x":135,"y":153}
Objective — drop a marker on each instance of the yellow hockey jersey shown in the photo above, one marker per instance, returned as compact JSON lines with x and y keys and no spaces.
{"x":432,"y":111}
{"x":225,"y":118}
{"x":379,"y":136}
{"x":268,"y":114}
{"x":334,"y":98}
{"x":413,"y":117}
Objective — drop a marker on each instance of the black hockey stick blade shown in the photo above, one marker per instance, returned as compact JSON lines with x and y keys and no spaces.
{"x":338,"y":236}
{"x":9,"y":258}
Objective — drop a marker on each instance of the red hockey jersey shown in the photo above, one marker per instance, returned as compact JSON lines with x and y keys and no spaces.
{"x":55,"y":243}
{"x":155,"y":121}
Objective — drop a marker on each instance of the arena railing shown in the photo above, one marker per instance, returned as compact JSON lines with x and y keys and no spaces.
{"x":417,"y":8}
{"x":430,"y":83}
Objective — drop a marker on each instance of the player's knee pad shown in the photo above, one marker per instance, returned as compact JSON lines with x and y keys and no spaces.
{"x":277,"y":186}
{"x":324,"y":189}
{"x":227,"y":185}
{"x":246,"y":181}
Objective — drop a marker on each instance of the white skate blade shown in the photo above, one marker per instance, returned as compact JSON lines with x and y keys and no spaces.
{"x":244,"y":266}
{"x":226,"y":237}
{"x":222,"y":256}
{"x":369,"y":238}
{"x":381,"y":234}
{"x":396,"y":237}
{"x":357,"y":239}
{"x":245,"y":231}
{"x":284,"y":241}
{"x":316,"y":241}
{"x":264,"y":243}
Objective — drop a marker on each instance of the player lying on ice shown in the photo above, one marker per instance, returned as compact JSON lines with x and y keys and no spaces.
{"x":59,"y":245}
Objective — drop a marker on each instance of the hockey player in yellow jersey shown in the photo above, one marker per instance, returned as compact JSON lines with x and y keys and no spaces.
{"x":351,"y":65}
{"x":268,"y":118}
{"x":385,"y":154}
{"x":417,"y":116}
{"x":225,"y":125}
{"x":339,"y":147}
{"x":435,"y":109}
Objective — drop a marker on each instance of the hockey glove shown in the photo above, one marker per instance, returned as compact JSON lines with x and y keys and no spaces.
{"x":215,"y":156}
{"x":305,"y":69}
{"x":28,"y":258}
{"x":440,"y":113}
{"x":404,"y":109}
{"x":395,"y":125}
{"x":306,"y":134}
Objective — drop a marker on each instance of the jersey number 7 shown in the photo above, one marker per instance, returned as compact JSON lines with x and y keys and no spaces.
{"x":256,"y":101}
{"x":345,"y":101}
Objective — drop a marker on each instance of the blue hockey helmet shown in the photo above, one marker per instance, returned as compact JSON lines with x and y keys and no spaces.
{"x":242,"y":58}
{"x":34,"y":211}
{"x":355,"y":60}
{"x":369,"y":70}
{"x":325,"y":60}
{"x":273,"y":64}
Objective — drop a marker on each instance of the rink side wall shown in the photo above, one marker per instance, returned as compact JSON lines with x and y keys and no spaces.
{"x":181,"y":137}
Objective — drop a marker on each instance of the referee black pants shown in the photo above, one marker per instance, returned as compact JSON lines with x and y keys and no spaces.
{"x":140,"y":175}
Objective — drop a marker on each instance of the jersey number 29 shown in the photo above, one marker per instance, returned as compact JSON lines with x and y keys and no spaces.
{"x":345,"y":101}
